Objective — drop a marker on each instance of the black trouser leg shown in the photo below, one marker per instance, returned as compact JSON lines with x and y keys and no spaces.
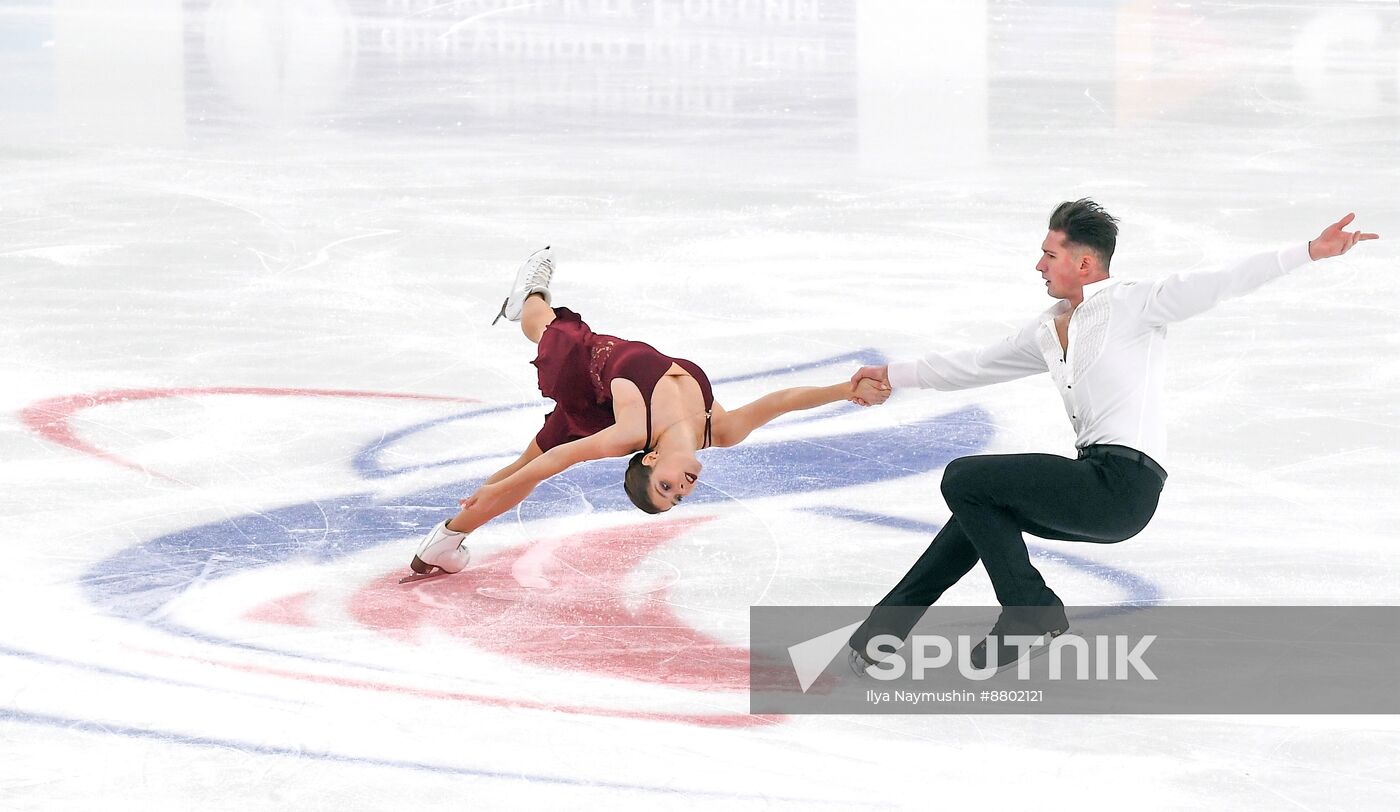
{"x":945,"y":561}
{"x":994,"y":499}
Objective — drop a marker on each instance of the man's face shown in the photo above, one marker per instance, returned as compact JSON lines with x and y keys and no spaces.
{"x":1061,"y":267}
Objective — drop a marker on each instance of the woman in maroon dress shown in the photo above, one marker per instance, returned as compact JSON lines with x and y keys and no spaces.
{"x":613,"y":398}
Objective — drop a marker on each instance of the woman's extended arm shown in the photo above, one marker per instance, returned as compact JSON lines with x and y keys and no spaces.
{"x":733,"y":426}
{"x":495,"y":498}
{"x":531,"y":451}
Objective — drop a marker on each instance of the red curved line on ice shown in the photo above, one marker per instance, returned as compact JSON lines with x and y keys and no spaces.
{"x":575,"y":609}
{"x":576,"y":615}
{"x":50,"y":418}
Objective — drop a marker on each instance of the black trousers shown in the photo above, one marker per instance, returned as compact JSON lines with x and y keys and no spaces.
{"x":994,"y":499}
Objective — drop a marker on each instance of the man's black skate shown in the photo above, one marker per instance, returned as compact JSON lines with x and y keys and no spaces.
{"x":1032,"y":627}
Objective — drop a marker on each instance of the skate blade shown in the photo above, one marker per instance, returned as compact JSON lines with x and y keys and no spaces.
{"x":422,"y":571}
{"x":501,"y":314}
{"x":1036,"y":651}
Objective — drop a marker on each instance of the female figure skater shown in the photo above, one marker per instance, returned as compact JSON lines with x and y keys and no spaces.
{"x":613,"y":398}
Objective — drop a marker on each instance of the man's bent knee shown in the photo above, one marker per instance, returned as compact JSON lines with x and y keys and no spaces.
{"x":964,"y":479}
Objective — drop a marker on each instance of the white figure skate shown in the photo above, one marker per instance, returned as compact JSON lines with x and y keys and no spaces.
{"x":533,"y":277}
{"x":442,"y":552}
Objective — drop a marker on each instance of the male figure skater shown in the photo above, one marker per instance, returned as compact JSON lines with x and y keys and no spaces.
{"x":1102,"y":343}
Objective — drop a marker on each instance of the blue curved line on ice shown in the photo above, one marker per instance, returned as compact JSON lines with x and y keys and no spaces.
{"x":139,"y":582}
{"x":172,"y":737}
{"x":46,"y":659}
{"x":1139,"y":591}
{"x":366,"y":460}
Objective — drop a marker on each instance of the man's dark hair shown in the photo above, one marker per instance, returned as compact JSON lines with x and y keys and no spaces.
{"x":637,"y":483}
{"x":1086,"y":224}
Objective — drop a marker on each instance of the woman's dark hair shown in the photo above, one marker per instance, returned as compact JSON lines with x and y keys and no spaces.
{"x":637,"y":483}
{"x":1085,"y":223}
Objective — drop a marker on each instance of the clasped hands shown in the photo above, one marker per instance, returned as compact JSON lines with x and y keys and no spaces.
{"x":870,"y":386}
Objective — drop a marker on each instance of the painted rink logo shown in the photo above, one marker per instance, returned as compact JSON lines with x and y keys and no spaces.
{"x":586,"y":620}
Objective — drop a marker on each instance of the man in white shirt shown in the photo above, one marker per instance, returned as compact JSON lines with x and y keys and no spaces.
{"x":1102,"y":344}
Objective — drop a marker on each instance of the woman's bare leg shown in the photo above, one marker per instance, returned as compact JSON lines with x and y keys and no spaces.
{"x":535,"y":316}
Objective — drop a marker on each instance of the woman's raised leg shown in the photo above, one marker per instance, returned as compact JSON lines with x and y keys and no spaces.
{"x":535,"y":316}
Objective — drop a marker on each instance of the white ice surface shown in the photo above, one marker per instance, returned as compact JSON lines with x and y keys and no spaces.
{"x":328,"y":195}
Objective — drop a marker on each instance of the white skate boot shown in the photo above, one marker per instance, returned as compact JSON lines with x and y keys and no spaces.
{"x":442,"y":552}
{"x":533,"y":277}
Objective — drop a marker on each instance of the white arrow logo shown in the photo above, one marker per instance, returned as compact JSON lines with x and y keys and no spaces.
{"x":811,"y":657}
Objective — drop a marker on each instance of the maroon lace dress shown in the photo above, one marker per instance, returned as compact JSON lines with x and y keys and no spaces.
{"x":576,"y":368}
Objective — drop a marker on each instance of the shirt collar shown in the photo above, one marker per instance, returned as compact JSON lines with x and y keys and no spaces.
{"x":1095,"y":288}
{"x":1090,"y":291}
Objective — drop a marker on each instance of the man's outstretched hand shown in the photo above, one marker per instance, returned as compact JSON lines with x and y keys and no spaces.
{"x":880,"y":374}
{"x":869,"y":392}
{"x":1334,"y":241}
{"x":870,"y":386}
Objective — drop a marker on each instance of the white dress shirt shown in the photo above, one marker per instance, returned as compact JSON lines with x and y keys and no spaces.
{"x":1110,"y":379}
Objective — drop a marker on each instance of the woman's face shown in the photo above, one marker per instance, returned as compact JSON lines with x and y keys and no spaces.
{"x":673,"y":477}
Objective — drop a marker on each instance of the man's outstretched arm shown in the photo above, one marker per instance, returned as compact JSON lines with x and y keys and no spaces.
{"x":1015,"y":356}
{"x":1183,"y":295}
